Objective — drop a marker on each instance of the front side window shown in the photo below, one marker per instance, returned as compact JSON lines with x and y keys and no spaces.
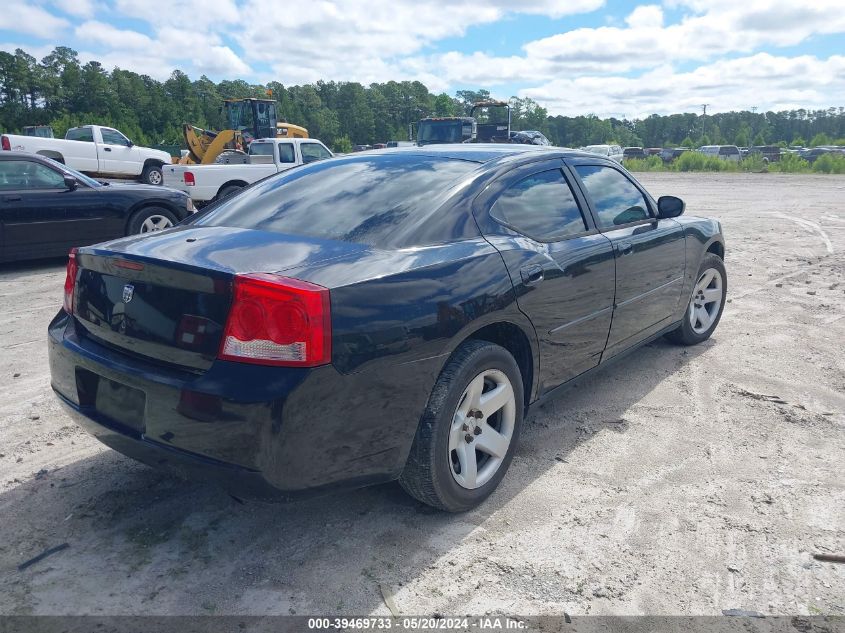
{"x":23,"y":174}
{"x":541,"y":206}
{"x":80,"y":134}
{"x":113,"y":137}
{"x":312,"y":152}
{"x":615,"y":198}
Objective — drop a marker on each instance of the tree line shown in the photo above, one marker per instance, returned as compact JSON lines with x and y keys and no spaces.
{"x":62,"y":92}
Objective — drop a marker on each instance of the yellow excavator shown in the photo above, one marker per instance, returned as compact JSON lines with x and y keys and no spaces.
{"x":247,"y":119}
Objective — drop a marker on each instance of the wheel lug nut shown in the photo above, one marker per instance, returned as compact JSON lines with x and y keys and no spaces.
{"x":465,"y":427}
{"x":477,"y":430}
{"x":468,"y":438}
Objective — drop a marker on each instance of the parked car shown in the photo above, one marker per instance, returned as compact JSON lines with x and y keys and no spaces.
{"x":810,"y":155}
{"x":46,"y":208}
{"x":653,"y":151}
{"x":267,"y":156}
{"x":613,"y":152}
{"x":95,"y":150}
{"x":769,"y":153}
{"x":634,"y":152}
{"x":724,"y":152}
{"x":529,"y":137}
{"x":380,"y":316}
{"x":668,"y":154}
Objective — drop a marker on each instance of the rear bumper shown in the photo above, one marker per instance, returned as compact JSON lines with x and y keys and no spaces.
{"x":260,"y":432}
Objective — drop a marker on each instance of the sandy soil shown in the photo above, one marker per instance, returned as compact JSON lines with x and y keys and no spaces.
{"x":681,"y":481}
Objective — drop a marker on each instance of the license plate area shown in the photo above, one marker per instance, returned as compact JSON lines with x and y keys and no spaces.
{"x":119,"y":403}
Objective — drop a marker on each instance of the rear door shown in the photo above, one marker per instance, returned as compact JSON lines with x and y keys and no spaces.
{"x":84,"y":153}
{"x":649,"y":253}
{"x":562,"y":268}
{"x":32,"y":210}
{"x":119,"y":156}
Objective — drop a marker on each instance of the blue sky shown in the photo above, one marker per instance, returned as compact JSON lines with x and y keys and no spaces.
{"x":607,"y":57}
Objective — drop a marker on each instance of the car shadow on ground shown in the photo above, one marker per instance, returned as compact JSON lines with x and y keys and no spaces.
{"x":14,"y":270}
{"x":144,"y":542}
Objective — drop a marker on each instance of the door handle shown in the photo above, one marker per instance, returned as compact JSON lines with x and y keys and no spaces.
{"x":625,"y":248}
{"x":11,"y":198}
{"x":531,"y":275}
{"x":107,"y":149}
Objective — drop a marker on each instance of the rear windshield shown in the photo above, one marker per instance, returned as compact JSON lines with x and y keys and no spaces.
{"x":362,"y":199}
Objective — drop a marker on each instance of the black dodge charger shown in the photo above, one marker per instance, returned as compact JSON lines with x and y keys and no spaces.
{"x":46,"y":208}
{"x":377,"y":317}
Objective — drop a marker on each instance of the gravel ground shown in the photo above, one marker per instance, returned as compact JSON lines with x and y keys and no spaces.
{"x":680,"y":481}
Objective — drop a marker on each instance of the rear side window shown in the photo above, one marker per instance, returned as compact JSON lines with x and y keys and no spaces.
{"x":728,"y":150}
{"x":615,"y":198}
{"x":372,"y":200}
{"x":80,"y":134}
{"x":286,"y":154}
{"x":541,"y":206}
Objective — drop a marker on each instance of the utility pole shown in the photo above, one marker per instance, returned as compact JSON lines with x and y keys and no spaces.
{"x":703,"y":114}
{"x":754,"y":109}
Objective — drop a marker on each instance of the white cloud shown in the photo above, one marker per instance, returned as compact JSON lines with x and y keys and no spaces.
{"x":24,"y":17}
{"x":79,"y":8}
{"x":100,"y":33}
{"x":763,"y":80}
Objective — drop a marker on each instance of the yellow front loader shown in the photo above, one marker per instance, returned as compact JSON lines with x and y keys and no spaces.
{"x":248,"y":120}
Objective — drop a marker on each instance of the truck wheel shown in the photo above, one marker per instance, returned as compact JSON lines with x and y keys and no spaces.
{"x":469,"y":431}
{"x":150,"y":219}
{"x":152,"y":175}
{"x":227,"y":191}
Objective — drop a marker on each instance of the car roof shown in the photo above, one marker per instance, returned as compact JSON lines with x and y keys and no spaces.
{"x":485,"y":152}
{"x":16,"y":155}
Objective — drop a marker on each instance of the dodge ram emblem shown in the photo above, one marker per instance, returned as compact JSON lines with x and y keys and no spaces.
{"x":128,"y":293}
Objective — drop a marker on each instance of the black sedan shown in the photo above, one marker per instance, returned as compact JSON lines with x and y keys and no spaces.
{"x":46,"y":208}
{"x":377,"y":317}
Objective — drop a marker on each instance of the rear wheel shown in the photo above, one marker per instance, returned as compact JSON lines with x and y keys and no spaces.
{"x":228,"y":190}
{"x":705,"y":304}
{"x":469,"y":430}
{"x":151,"y":219}
{"x":152,"y":175}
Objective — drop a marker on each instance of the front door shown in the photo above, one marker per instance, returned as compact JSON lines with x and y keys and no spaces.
{"x":119,"y":156}
{"x":649,"y":254}
{"x":32,"y":210}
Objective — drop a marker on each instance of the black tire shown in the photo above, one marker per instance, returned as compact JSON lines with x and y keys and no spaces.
{"x":685,"y":334}
{"x":152,"y":175}
{"x":228,"y":190}
{"x":136,"y":222}
{"x":428,"y":474}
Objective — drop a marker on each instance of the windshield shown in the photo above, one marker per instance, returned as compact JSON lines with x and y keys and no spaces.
{"x":597,"y":149}
{"x":86,"y":180}
{"x":364,"y":199}
{"x":440,"y":132}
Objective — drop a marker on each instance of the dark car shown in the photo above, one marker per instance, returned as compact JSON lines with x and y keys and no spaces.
{"x":810,"y":155}
{"x":769,"y":153}
{"x":46,"y":208}
{"x":668,"y":154}
{"x":634,"y":152}
{"x":383,"y":316}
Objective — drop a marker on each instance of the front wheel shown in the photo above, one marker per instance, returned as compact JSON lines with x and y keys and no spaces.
{"x":469,"y":430}
{"x":152,"y":175}
{"x":706,"y":303}
{"x":151,"y":219}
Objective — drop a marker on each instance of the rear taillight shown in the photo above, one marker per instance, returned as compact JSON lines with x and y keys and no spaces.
{"x":278,"y":321}
{"x":70,"y":280}
{"x":6,"y":144}
{"x":188,"y":177}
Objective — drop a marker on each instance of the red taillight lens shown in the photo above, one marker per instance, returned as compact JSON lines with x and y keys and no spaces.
{"x":278,"y":321}
{"x":189,"y":179}
{"x":70,"y":280}
{"x":6,"y":144}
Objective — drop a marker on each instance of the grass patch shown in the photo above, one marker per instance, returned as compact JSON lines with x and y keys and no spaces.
{"x":829,"y":164}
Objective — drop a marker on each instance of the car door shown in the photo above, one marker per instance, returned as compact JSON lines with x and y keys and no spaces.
{"x":119,"y":155}
{"x":561,"y":267}
{"x":649,"y":253}
{"x":32,"y":210}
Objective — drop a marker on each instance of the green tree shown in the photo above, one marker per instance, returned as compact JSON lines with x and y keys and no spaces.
{"x":820,"y":139}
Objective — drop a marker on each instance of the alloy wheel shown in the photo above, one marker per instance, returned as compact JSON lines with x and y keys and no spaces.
{"x":156,"y":223}
{"x":706,"y":300}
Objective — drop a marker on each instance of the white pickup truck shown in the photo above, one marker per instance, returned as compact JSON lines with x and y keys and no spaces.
{"x":267,"y":156}
{"x":95,"y":150}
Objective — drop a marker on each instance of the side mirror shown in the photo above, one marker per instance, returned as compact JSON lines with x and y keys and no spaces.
{"x":70,"y":182}
{"x":670,"y":207}
{"x":129,"y":143}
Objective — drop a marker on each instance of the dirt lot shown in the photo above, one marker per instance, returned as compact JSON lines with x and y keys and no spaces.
{"x":680,"y":481}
